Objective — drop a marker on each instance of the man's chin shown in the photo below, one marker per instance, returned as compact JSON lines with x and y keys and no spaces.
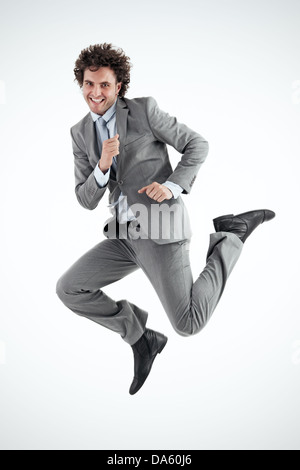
{"x":98,"y":110}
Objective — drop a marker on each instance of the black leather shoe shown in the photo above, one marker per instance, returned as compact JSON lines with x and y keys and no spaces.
{"x":145,"y":351}
{"x":242,"y":225}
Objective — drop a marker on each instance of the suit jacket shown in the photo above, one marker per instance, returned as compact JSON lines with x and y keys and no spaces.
{"x":144,"y":130}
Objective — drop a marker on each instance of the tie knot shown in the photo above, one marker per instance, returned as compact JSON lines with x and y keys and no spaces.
{"x":102,"y":122}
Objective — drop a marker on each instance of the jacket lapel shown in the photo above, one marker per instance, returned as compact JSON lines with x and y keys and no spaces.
{"x":91,"y":142}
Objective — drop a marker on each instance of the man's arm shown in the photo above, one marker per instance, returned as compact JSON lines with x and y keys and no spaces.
{"x":192,"y":146}
{"x":87,"y":190}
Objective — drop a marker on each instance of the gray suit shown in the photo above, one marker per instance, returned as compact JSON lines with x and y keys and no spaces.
{"x":160,"y":243}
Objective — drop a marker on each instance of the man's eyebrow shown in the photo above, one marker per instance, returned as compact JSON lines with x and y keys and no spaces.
{"x":101,"y":83}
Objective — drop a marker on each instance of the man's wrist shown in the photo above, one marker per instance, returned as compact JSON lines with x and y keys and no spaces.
{"x":175,"y":189}
{"x":101,"y":178}
{"x":104,"y":170}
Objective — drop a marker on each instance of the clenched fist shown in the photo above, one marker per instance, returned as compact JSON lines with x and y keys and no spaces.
{"x":110,"y":148}
{"x":157,"y":191}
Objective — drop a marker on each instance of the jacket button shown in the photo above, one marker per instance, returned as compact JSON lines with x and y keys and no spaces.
{"x":120,"y":182}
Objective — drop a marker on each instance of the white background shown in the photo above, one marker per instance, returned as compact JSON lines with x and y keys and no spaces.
{"x":230,"y":70}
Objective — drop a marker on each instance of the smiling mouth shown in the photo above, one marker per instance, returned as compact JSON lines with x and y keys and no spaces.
{"x":97,"y":101}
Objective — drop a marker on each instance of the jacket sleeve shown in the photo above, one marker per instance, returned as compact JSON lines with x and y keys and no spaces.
{"x":87,"y":190}
{"x":192,"y":146}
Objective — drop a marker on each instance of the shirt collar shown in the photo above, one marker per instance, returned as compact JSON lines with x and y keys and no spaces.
{"x":106,"y":116}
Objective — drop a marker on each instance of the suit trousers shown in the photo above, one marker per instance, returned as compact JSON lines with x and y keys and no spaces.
{"x":188,"y":304}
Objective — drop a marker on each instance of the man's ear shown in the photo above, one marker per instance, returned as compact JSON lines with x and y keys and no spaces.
{"x":119,"y":86}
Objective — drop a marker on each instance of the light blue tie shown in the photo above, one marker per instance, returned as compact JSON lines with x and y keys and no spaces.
{"x":104,"y":135}
{"x":102,"y":126}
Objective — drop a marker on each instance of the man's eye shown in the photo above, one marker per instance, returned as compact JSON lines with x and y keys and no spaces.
{"x":105,"y":85}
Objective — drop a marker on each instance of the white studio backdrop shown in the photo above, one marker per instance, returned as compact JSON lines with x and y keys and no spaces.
{"x":231,"y":71}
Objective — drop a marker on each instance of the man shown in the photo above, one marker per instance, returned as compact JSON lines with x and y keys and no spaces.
{"x":120,"y":145}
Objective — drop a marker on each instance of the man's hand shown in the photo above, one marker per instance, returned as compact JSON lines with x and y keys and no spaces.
{"x":110,"y":148}
{"x":157,"y":191}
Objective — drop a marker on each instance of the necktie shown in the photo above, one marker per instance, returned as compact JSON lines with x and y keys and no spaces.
{"x":102,"y":126}
{"x":104,"y":135}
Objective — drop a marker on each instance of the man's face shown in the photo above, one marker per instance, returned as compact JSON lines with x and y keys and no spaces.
{"x":100,"y":89}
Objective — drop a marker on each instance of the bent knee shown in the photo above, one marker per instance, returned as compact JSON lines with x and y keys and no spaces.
{"x":62,"y":288}
{"x":68,"y":289}
{"x":189,"y":327}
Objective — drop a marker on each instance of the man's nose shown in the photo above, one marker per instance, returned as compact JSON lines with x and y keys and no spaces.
{"x":97,"y":91}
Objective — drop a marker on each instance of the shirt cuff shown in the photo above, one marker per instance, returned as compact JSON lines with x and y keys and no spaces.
{"x":101,"y":178}
{"x":174,"y":188}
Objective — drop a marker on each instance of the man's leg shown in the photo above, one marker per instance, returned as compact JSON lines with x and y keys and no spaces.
{"x":80,"y":286}
{"x":79,"y":289}
{"x":189,"y":304}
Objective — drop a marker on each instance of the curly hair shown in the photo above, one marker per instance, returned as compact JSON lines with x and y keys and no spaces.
{"x":104,"y":55}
